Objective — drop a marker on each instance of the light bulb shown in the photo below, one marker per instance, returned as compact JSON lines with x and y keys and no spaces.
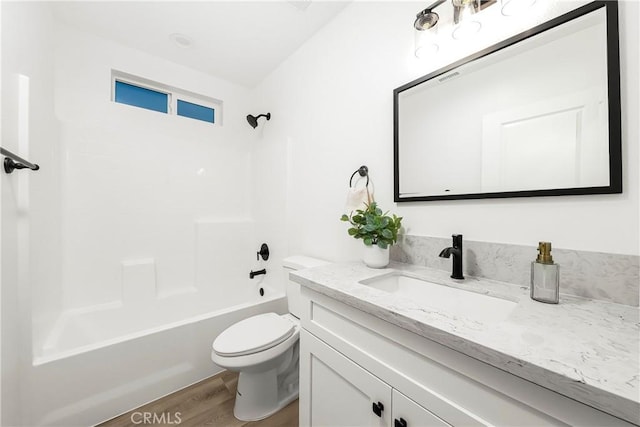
{"x":426,"y":42}
{"x":466,"y":29}
{"x":466,"y":24}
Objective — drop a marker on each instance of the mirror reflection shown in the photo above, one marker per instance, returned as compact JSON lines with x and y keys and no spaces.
{"x":529,"y":119}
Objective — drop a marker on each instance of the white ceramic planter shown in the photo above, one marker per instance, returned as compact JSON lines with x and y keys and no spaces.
{"x":375,"y":257}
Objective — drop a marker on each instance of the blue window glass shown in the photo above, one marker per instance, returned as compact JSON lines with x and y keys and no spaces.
{"x":195,"y":111}
{"x":140,"y":97}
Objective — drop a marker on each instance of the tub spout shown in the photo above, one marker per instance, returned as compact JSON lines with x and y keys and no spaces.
{"x":253,"y":274}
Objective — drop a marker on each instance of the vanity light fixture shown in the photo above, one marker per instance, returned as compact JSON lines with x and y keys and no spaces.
{"x":464,"y":20}
{"x":465,"y":24}
{"x":427,"y":18}
{"x":426,"y":30}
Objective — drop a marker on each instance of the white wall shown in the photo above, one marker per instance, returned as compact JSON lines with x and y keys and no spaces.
{"x":30,"y":200}
{"x":332,"y":107}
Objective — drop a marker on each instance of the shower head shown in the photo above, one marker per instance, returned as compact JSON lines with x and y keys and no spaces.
{"x":253,"y":120}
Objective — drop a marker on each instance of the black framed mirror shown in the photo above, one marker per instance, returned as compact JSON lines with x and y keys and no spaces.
{"x":537,"y":114}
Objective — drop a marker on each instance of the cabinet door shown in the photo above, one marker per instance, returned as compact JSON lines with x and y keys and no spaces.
{"x":407,"y":413}
{"x":336,"y":392}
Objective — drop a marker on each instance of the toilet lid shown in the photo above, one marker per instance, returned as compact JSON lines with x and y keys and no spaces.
{"x":252,"y":335}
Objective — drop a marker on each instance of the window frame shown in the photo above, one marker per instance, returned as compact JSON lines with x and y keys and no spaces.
{"x":197,"y":101}
{"x":173,"y":95}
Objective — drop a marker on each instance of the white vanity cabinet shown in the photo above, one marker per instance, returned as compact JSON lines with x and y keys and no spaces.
{"x":354,"y":366}
{"x":344,"y":394}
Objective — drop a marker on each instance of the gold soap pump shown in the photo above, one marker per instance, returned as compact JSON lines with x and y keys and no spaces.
{"x":545,"y":276}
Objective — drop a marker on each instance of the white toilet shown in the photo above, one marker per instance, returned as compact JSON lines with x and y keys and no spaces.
{"x":265,"y":350}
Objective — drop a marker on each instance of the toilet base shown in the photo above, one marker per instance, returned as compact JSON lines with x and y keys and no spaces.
{"x":255,"y":397}
{"x":268,"y":379}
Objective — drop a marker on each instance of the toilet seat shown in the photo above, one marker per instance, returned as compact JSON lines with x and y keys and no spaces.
{"x":253,"y":335}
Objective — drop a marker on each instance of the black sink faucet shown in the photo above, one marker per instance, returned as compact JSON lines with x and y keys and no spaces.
{"x":456,"y":251}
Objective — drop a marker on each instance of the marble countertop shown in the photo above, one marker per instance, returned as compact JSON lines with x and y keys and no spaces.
{"x":584,"y":349}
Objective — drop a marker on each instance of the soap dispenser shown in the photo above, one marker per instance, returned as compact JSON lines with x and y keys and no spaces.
{"x":545,"y":276}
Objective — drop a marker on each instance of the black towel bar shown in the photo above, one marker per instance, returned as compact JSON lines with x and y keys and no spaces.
{"x":13,"y":162}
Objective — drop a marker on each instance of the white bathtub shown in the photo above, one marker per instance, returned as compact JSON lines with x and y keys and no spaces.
{"x":80,"y":330}
{"x":98,"y":363}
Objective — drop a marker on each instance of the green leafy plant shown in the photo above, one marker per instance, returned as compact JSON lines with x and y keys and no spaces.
{"x":373,"y":226}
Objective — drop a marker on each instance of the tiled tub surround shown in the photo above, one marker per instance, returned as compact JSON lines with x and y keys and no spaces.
{"x":584,"y":349}
{"x":595,"y":275}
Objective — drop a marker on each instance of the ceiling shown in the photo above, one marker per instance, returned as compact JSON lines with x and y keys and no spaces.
{"x":239,"y":41}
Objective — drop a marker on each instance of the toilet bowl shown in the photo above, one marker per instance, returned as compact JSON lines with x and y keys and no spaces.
{"x":264,"y":349}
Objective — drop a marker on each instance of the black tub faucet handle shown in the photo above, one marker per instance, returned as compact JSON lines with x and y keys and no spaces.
{"x":263,"y":252}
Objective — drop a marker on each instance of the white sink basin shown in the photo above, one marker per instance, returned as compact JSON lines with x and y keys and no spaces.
{"x":444,"y":299}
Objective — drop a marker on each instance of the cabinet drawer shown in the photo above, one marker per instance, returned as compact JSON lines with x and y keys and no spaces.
{"x":457,"y":388}
{"x":407,"y":413}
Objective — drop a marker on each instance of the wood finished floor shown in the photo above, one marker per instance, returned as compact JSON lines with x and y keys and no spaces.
{"x":207,"y":403}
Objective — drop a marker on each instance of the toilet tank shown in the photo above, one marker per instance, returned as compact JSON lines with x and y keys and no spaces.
{"x":292,"y":263}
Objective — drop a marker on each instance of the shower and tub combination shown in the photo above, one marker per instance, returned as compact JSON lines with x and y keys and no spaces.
{"x":125,"y":299}
{"x":132,"y":246}
{"x":129,"y":268}
{"x":124,"y":354}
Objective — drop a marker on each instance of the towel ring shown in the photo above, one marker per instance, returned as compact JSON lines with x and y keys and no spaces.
{"x":363,"y":171}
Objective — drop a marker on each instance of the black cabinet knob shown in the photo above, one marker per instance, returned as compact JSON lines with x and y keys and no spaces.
{"x":399,"y":422}
{"x":378,"y":408}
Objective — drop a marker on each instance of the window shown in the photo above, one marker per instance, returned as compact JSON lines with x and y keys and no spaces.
{"x":141,"y":97}
{"x":195,"y":111}
{"x":143,"y":93}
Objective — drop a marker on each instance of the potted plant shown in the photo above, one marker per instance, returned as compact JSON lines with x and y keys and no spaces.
{"x":378,"y":231}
